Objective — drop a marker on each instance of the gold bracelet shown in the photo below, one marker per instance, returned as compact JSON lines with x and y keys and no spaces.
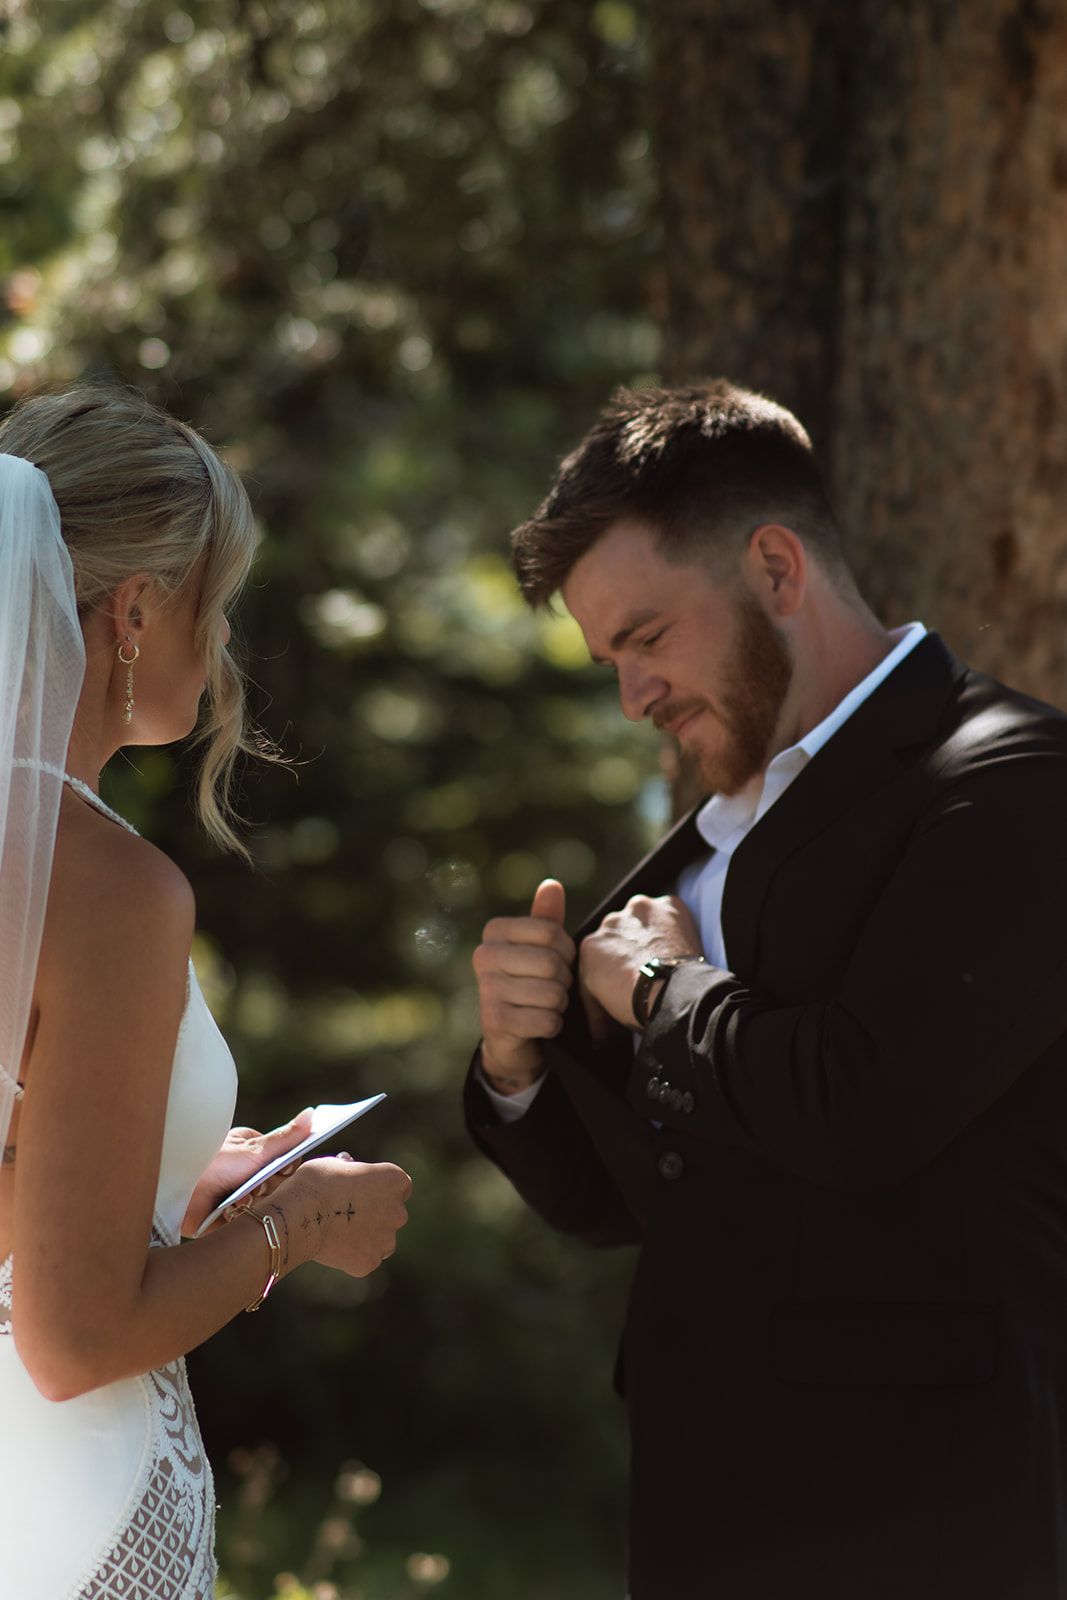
{"x":271,"y":1231}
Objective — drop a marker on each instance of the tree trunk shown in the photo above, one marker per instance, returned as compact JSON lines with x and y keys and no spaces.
{"x":865,"y":215}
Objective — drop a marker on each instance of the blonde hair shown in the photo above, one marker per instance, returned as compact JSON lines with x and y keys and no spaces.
{"x":139,"y":491}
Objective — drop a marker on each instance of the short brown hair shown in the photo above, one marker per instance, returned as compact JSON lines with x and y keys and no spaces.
{"x":702,"y":467}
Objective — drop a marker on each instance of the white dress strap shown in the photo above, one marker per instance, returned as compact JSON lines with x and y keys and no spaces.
{"x":79,"y":786}
{"x":83,"y":791}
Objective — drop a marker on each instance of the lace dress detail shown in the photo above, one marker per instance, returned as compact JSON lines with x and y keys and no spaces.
{"x":165,"y":1546}
{"x":110,"y":1494}
{"x":5,"y":1269}
{"x":5,"y":1296}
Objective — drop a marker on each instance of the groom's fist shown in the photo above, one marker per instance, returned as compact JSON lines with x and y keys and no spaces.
{"x":523,"y":967}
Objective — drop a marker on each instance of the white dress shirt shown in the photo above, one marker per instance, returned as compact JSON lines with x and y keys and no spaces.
{"x":725,"y":820}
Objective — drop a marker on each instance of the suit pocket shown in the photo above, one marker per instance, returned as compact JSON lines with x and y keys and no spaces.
{"x":884,"y":1346}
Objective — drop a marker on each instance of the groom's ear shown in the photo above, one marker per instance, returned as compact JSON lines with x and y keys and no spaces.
{"x":777,"y":568}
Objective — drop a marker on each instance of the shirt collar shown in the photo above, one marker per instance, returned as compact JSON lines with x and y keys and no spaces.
{"x":726,"y":818}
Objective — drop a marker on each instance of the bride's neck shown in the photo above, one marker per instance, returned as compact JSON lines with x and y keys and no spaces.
{"x":97,"y":733}
{"x":91,"y":747}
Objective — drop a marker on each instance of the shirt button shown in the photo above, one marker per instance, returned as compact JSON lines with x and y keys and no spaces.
{"x":670,"y":1165}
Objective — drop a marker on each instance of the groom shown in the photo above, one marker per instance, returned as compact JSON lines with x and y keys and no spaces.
{"x":812,"y":1053}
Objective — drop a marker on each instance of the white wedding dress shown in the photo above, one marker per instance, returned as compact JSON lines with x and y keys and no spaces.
{"x":109,"y":1496}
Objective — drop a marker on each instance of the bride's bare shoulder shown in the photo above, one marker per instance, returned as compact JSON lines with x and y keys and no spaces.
{"x":111,"y":885}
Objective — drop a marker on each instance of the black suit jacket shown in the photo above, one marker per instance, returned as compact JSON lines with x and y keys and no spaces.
{"x":846,"y":1348}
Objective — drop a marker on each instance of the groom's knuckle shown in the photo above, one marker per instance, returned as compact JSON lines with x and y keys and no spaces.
{"x":482,"y":959}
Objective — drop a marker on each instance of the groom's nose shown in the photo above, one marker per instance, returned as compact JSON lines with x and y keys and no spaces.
{"x":640,"y":691}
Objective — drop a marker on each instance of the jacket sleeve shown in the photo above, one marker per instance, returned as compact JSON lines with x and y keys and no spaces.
{"x":552,"y":1162}
{"x":955,"y":986}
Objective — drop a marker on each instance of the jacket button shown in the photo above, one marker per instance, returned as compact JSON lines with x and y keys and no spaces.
{"x":670,"y":1165}
{"x":688,"y":1103}
{"x":676,"y":1100}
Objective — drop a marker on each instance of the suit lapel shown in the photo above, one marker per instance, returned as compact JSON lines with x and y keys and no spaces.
{"x":904,"y":711}
{"x":656,"y":873}
{"x":863,"y":755}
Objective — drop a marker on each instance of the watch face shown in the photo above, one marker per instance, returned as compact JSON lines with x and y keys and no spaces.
{"x":659,"y":966}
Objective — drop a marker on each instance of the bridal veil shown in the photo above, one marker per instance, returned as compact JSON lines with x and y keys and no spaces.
{"x":42,"y":663}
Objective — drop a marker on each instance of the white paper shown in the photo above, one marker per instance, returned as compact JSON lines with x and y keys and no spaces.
{"x":325,"y":1122}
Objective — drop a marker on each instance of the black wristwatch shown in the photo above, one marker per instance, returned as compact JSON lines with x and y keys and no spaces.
{"x":655,"y":968}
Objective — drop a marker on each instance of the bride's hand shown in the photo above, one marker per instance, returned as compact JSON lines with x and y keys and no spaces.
{"x":349,"y":1211}
{"x":243,"y":1152}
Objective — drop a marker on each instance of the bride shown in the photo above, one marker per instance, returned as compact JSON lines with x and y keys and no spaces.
{"x":123,"y":541}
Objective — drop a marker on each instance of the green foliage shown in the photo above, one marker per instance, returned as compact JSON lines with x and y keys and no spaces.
{"x":391,"y":256}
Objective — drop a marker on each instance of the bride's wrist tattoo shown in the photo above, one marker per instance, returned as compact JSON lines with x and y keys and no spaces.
{"x":313,"y":1218}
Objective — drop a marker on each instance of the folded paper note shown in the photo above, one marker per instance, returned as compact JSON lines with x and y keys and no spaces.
{"x":325,"y":1122}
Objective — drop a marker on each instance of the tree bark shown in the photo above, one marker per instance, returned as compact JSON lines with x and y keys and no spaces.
{"x":865,"y":215}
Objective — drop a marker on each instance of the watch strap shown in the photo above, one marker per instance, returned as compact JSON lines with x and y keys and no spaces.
{"x":655,"y":969}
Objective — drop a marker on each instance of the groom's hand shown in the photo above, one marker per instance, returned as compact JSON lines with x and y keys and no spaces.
{"x":523,"y":967}
{"x":611,"y":958}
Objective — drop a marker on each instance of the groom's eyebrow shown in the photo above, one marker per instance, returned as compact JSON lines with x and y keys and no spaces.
{"x":639,"y":619}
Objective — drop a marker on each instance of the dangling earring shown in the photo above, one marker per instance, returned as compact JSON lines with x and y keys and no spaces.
{"x":127,"y":662}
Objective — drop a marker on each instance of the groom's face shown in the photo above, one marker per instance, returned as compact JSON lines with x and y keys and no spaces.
{"x":695,"y":653}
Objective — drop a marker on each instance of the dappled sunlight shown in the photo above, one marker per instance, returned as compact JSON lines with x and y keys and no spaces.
{"x":336,"y":1553}
{"x":561,"y":641}
{"x":354,"y":1024}
{"x":446,"y":809}
{"x":517,"y":874}
{"x":613,"y":780}
{"x":260,"y":1007}
{"x":214,"y":974}
{"x":343,"y":617}
{"x":471,"y":618}
{"x":391,"y":714}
